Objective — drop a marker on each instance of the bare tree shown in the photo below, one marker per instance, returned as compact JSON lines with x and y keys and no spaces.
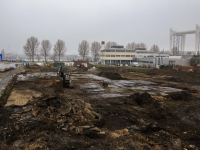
{"x":141,"y":45}
{"x":83,"y":48}
{"x":131,"y":45}
{"x":59,"y":48}
{"x":109,"y":44}
{"x":31,"y":47}
{"x":3,"y":54}
{"x":38,"y":57}
{"x":53,"y":56}
{"x":45,"y":49}
{"x":155,"y":48}
{"x":95,"y":50}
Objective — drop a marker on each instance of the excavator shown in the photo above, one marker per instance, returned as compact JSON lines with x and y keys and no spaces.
{"x":25,"y":64}
{"x":63,"y":77}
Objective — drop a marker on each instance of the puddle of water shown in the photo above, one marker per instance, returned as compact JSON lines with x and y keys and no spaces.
{"x":33,"y":75}
{"x":92,"y":87}
{"x":110,"y":95}
{"x":117,"y":86}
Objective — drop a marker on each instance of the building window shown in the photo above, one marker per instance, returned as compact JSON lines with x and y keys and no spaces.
{"x":132,"y":55}
{"x":120,"y":51}
{"x":107,"y":50}
{"x":130,"y":51}
{"x":102,"y":50}
{"x":112,"y":55}
{"x":122,"y":55}
{"x":127,"y":55}
{"x":107,"y":55}
{"x":102,"y":55}
{"x":112,"y":50}
{"x":117,"y":55}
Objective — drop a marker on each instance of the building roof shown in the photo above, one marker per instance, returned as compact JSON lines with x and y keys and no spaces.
{"x":140,"y":48}
{"x":117,"y":46}
{"x":146,"y":51}
{"x":117,"y":49}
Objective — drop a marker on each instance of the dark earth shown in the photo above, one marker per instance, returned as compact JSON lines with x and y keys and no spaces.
{"x":71,"y":118}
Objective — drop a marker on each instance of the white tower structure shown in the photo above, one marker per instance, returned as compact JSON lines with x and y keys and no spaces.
{"x":177,"y":40}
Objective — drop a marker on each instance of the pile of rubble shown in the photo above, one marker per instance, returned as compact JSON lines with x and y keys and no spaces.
{"x":65,"y":114}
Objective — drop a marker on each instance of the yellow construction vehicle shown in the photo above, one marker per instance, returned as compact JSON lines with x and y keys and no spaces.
{"x":48,"y":64}
{"x":63,"y":78}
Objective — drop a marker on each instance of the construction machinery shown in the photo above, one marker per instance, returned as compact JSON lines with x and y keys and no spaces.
{"x":48,"y":64}
{"x":25,"y":64}
{"x":82,"y":67}
{"x":63,"y":78}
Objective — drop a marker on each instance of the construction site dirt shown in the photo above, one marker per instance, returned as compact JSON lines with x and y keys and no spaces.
{"x":111,"y":108}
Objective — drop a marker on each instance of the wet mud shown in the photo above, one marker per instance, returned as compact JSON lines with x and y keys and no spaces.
{"x":100,"y":113}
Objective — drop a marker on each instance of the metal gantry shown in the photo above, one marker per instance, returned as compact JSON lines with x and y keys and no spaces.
{"x":177,"y":45}
{"x":177,"y":40}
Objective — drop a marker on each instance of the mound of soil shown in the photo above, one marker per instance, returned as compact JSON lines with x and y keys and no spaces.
{"x":183,"y":95}
{"x":172,"y":79}
{"x":142,"y":98}
{"x":151,"y":72}
{"x":111,"y":75}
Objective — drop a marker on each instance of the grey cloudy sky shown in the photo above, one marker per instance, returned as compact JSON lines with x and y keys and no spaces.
{"x":72,"y":21}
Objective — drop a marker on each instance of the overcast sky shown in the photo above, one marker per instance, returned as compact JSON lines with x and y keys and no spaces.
{"x":72,"y":21}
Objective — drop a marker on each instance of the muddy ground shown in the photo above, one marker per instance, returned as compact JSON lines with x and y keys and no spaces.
{"x":106,"y":108}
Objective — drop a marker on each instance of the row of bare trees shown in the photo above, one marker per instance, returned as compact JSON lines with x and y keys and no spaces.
{"x":135,"y":45}
{"x":142,"y":45}
{"x":31,"y":49}
{"x":84,"y":49}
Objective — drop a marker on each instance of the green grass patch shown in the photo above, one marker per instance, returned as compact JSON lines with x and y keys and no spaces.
{"x":139,"y":68}
{"x":107,"y":89}
{"x":2,"y":93}
{"x":32,"y":63}
{"x":172,"y":103}
{"x":106,"y":66}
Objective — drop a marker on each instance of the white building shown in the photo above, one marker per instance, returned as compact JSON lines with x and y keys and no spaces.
{"x":150,"y":58}
{"x":120,"y":55}
{"x":117,"y":55}
{"x":177,"y":60}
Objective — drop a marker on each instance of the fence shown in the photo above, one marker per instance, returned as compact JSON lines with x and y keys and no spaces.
{"x":189,"y":68}
{"x":6,"y":79}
